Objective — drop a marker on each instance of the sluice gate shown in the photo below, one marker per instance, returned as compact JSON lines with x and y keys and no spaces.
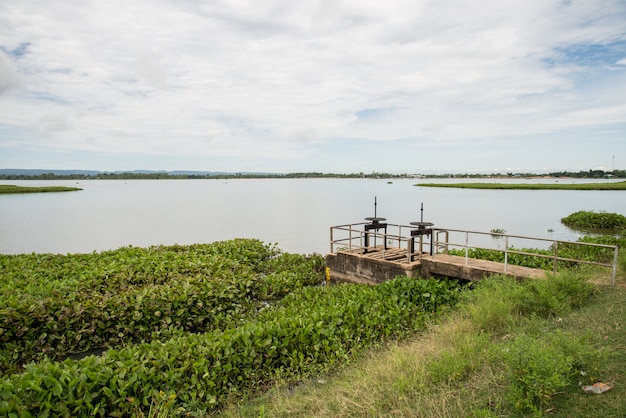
{"x":371,"y":253}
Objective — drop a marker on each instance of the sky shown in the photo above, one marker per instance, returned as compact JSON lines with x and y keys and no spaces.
{"x":344,"y":86}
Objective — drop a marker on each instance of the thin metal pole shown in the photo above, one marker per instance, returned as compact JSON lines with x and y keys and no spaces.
{"x":506,"y":252}
{"x":375,"y":216}
{"x":331,"y":240}
{"x":350,"y":237}
{"x":375,"y":204}
{"x":466,"y":246}
{"x":384,"y":243}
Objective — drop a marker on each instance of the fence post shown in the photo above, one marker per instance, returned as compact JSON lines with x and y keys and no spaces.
{"x":506,"y":251}
{"x":466,"y":246}
{"x":556,"y":256}
{"x":614,"y":266}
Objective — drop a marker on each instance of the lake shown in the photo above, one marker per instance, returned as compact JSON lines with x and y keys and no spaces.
{"x":296,"y":214}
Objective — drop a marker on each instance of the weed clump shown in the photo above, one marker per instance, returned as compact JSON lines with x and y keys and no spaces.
{"x":514,"y":326}
{"x":595,"y":220}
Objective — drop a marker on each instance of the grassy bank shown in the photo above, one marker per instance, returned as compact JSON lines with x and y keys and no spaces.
{"x":11,"y":189}
{"x":528,"y":186}
{"x":510,"y":349}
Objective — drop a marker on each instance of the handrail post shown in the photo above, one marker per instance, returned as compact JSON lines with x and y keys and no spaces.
{"x":384,"y":242}
{"x":466,"y":246}
{"x":331,"y":240}
{"x":350,"y":237}
{"x":556,"y":256}
{"x":506,"y":251}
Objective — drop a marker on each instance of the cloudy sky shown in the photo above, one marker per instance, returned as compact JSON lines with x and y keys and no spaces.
{"x":417,"y":86}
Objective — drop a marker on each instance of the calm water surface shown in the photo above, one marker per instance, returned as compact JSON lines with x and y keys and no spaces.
{"x":296,"y":214}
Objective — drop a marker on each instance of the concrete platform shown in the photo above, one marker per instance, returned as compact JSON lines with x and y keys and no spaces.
{"x":378,"y":265}
{"x":454,"y":266}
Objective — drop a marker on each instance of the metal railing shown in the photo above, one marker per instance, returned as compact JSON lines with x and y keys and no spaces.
{"x":353,"y":237}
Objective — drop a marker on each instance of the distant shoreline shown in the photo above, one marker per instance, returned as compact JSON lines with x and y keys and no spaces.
{"x":526,"y":186}
{"x":38,"y":174}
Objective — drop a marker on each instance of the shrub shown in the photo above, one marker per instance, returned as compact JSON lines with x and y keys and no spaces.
{"x":595,"y":220}
{"x":498,"y":302}
{"x":541,"y":366}
{"x":556,"y":295}
{"x":493,"y":305}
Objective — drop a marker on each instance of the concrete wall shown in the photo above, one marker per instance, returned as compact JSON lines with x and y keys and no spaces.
{"x":355,"y":269}
{"x":450,"y":270}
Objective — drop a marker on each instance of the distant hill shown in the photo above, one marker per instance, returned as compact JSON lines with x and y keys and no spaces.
{"x":39,"y":172}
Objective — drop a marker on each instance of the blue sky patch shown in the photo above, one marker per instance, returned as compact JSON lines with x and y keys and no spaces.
{"x":17,"y":52}
{"x":588,"y":55}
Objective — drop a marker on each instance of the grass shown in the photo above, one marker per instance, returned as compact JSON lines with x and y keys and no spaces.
{"x":11,"y":189}
{"x":510,"y":349}
{"x":527,"y":186}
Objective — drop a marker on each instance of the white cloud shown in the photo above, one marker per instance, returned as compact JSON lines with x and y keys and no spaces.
{"x":50,"y":123}
{"x":9,"y":78}
{"x":279,"y":79}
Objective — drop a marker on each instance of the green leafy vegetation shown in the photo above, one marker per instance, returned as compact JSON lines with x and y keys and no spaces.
{"x":60,"y":305}
{"x":192,"y":327}
{"x":595,"y":220}
{"x":238,"y":328}
{"x":11,"y":189}
{"x":509,"y":348}
{"x":528,"y":186}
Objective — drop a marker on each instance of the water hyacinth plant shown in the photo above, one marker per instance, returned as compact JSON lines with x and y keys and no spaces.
{"x":595,"y":220}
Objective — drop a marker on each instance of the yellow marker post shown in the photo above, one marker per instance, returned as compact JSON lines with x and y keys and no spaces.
{"x":327,"y":276}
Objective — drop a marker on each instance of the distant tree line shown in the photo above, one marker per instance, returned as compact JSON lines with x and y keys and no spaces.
{"x":170,"y":176}
{"x":591,"y":174}
{"x":595,"y":174}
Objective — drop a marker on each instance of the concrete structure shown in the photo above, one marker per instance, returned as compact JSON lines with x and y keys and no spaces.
{"x":375,"y":252}
{"x":376,"y":266}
